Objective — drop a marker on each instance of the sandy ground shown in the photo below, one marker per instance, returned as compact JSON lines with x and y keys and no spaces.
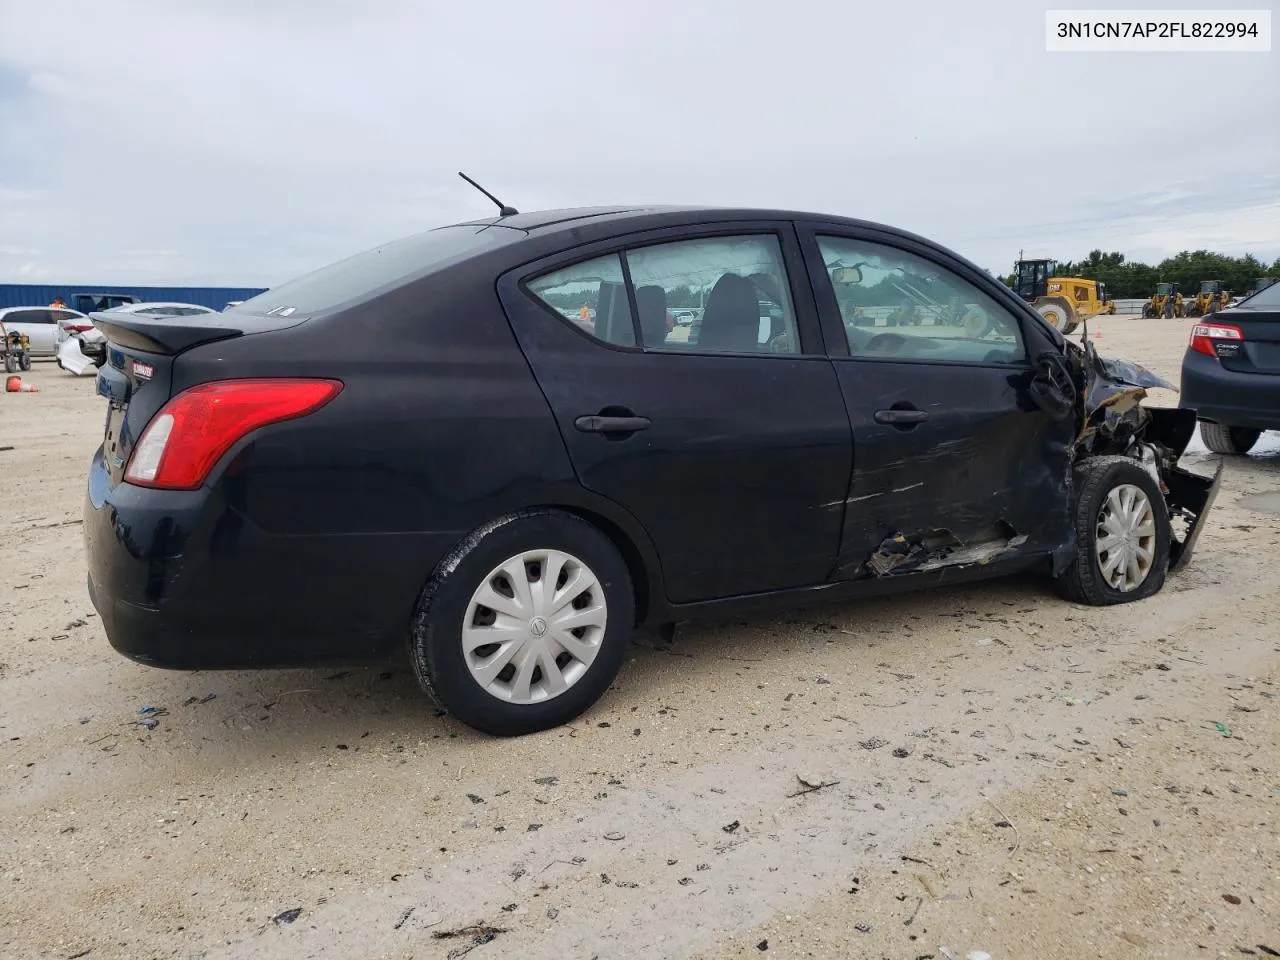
{"x":1007,"y":773}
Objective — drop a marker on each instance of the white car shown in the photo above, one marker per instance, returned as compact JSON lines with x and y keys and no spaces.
{"x":86,"y":347}
{"x":46,"y":327}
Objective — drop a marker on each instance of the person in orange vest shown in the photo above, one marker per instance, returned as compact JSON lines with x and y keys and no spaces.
{"x":58,"y":304}
{"x":584,"y":313}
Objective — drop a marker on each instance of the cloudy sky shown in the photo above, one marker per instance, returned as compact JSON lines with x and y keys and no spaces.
{"x":238,"y":142}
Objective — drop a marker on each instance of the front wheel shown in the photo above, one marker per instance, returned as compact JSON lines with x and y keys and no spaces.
{"x":10,"y":363}
{"x":525,"y":624}
{"x":1122,"y":534}
{"x":1222,"y":439}
{"x":24,"y":362}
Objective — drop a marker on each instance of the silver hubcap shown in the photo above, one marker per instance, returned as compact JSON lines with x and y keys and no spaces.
{"x":1126,"y":538}
{"x":534,"y":626}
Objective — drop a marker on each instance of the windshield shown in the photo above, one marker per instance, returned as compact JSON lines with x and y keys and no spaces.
{"x":1208,"y":286}
{"x":1164,"y":289}
{"x":369,"y":273}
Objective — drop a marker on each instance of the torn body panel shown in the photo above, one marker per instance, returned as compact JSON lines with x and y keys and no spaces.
{"x":933,"y":549}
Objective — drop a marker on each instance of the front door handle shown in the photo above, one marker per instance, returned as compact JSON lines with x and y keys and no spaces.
{"x":901,"y":417}
{"x":601,"y":424}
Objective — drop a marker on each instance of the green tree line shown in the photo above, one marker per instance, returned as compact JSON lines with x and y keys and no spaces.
{"x":1129,"y":279}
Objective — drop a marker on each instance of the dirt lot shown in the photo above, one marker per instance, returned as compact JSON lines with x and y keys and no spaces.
{"x":1008,"y":773}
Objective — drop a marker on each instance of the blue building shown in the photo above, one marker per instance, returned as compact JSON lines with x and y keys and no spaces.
{"x":88,"y":296}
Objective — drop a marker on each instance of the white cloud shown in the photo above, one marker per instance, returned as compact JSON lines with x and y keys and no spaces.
{"x":249,"y":142}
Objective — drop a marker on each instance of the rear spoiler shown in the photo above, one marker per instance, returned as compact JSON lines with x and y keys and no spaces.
{"x":172,"y":335}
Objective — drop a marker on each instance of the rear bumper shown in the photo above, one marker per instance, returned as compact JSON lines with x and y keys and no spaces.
{"x":1250,"y":400}
{"x":182,"y":580}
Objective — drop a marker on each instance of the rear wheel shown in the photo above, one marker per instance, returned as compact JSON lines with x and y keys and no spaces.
{"x":1122,"y":534}
{"x":525,"y":625}
{"x":1223,"y":439}
{"x":10,"y":363}
{"x":24,"y":362}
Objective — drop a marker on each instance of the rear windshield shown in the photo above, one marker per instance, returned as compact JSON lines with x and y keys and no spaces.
{"x":1267,"y":299}
{"x":371,"y":272}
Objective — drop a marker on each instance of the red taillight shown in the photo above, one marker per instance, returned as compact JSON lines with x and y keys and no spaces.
{"x":1203,"y":336}
{"x":193,"y":430}
{"x":77,"y":327}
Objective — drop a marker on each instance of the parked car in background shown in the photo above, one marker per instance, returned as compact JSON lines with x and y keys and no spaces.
{"x":87,"y":346}
{"x":342,"y":466}
{"x":45,"y":327}
{"x":1231,"y":372}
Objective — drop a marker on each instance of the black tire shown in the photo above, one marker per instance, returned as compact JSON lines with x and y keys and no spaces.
{"x":24,"y":362}
{"x":436,"y":641}
{"x":1093,"y":480}
{"x":10,"y":363}
{"x":1226,"y":440}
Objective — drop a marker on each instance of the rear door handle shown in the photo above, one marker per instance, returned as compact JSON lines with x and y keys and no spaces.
{"x":901,"y":417}
{"x":599,"y":424}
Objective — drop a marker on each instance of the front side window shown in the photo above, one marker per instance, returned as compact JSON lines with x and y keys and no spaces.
{"x":591,"y":295}
{"x":897,"y":305}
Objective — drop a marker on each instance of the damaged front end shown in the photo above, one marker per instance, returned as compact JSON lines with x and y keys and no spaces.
{"x":1112,"y":421}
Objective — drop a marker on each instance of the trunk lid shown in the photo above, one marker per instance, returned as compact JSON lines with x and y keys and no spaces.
{"x":137,"y":377}
{"x":1259,"y":352}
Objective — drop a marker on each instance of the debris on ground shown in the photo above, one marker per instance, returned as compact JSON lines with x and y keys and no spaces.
{"x":478,"y":935}
{"x":873,"y":743}
{"x":149,"y":717}
{"x":615,"y":835}
{"x":809,"y":784}
{"x":193,"y":700}
{"x":731,"y":827}
{"x":287,"y":916}
{"x":403,"y":917}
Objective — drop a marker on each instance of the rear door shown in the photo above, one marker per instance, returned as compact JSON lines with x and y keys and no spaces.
{"x":732,"y":452}
{"x":952,"y":461}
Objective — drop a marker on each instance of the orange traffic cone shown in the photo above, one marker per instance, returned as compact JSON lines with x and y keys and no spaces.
{"x":15,"y":385}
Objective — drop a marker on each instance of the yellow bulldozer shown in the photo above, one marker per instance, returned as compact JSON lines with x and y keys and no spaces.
{"x":1211,"y":298}
{"x":1065,"y":302}
{"x":1165,"y":302}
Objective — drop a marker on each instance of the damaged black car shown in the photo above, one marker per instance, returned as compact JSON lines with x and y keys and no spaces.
{"x":491,"y":443}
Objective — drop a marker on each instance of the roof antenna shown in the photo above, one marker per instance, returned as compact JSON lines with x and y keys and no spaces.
{"x":503,"y":209}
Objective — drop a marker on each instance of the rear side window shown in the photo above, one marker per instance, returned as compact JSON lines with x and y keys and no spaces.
{"x":369,"y":273}
{"x":593,"y":296}
{"x":29,"y":316}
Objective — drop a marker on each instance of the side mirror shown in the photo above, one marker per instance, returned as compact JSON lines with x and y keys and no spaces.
{"x":1051,"y":387}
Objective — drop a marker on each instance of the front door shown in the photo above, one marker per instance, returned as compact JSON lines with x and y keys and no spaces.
{"x":730,"y":446}
{"x":953,"y":462}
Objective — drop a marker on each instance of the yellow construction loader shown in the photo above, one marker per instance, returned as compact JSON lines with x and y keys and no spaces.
{"x":1211,"y":298}
{"x":1065,"y":302}
{"x":1165,"y":302}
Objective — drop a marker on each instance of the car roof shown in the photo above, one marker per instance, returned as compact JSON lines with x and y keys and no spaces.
{"x":642,"y":216}
{"x":39,"y":306}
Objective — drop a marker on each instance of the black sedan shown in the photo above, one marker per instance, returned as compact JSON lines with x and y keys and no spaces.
{"x":1231,"y":372}
{"x":486,"y":442}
